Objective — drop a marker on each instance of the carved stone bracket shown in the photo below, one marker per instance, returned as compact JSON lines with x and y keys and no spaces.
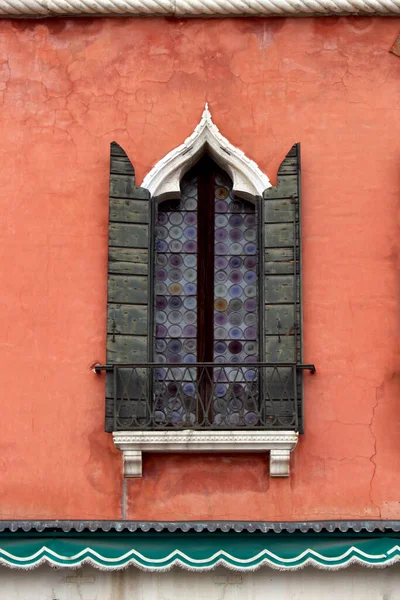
{"x":132,"y":463}
{"x":279,"y":463}
{"x":278,"y":444}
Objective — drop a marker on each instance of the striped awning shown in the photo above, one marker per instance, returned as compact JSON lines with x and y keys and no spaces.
{"x":157,"y":551}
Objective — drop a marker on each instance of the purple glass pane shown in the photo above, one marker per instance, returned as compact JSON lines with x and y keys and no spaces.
{"x":176,"y":306}
{"x":236,"y":306}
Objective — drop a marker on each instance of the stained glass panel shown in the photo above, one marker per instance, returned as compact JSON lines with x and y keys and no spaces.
{"x":176,"y":301}
{"x":236,"y":305}
{"x":234,"y":319}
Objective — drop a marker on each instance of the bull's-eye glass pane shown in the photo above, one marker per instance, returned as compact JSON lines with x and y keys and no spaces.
{"x":206,"y":303}
{"x":235,"y":306}
{"x":176,"y":279}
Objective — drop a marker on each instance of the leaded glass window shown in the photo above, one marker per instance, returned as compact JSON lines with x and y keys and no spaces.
{"x":206,"y":300}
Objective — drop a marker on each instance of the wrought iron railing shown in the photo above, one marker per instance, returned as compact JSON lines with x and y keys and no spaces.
{"x":204,"y":395}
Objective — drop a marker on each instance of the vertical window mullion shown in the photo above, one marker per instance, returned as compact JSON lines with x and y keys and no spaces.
{"x":205,"y":274}
{"x":205,"y":287}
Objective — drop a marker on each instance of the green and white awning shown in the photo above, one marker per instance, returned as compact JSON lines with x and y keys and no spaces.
{"x":198,"y":551}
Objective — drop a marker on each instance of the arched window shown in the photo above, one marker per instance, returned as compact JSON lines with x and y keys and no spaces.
{"x":206,"y":301}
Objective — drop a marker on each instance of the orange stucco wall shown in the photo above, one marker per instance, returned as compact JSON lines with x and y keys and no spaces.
{"x":70,"y":87}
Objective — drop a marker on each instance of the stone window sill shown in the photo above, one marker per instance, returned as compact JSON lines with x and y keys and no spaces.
{"x":279,"y":445}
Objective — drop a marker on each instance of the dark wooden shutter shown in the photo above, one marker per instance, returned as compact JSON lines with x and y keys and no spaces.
{"x":282,"y":292}
{"x":129,"y":272}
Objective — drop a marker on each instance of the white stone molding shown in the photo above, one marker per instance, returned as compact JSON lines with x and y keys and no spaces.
{"x":279,"y":444}
{"x":198,"y":8}
{"x":163,"y":181}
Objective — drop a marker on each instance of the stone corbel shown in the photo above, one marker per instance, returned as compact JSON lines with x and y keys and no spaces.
{"x":279,"y":463}
{"x":132,"y":463}
{"x":278,"y":444}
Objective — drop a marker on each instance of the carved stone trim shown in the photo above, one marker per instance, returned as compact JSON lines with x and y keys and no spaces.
{"x":163,"y":181}
{"x":206,"y":8}
{"x":279,"y":444}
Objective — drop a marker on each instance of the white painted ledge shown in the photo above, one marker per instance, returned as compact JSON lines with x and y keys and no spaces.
{"x":279,"y":444}
{"x":198,"y":8}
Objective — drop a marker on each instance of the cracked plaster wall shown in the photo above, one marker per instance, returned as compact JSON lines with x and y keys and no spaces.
{"x":67,"y":89}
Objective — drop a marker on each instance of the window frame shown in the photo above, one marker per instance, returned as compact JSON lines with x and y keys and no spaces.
{"x":248,"y":183}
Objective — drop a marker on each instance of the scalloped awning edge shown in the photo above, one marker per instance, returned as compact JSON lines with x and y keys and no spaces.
{"x":198,"y":551}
